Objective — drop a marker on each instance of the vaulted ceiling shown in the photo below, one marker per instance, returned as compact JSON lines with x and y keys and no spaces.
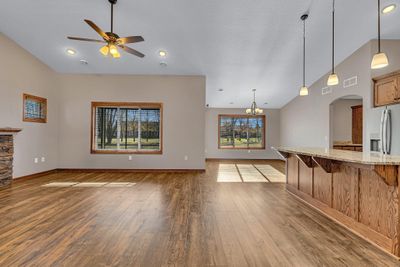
{"x":238,"y":45}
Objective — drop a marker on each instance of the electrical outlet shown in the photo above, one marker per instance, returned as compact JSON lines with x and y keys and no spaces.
{"x":130,"y":157}
{"x":186,"y":157}
{"x":249,"y":151}
{"x":36,"y":160}
{"x":43,"y":159}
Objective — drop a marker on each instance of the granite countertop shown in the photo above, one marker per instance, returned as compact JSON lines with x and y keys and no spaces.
{"x":371,"y":158}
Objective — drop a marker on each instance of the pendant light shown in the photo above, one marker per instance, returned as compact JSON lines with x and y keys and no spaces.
{"x":333,"y":78}
{"x":380,"y":59}
{"x":254,"y":110}
{"x":304,"y":89}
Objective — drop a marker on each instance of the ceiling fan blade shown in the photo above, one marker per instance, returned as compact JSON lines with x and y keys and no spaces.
{"x":131,"y":51}
{"x":85,"y":39}
{"x":130,"y":39}
{"x":97,"y":29}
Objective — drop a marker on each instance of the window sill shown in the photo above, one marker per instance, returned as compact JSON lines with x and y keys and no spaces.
{"x":130,"y":152}
{"x":244,"y":148}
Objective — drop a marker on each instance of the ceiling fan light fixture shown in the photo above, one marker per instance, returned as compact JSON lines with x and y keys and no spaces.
{"x":303,"y":91}
{"x":379,"y":61}
{"x":333,"y":79}
{"x":105,"y":50}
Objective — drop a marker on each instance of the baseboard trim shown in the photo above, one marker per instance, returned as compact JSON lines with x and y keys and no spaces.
{"x":128,"y":170}
{"x":34,"y":175}
{"x":217,"y":159}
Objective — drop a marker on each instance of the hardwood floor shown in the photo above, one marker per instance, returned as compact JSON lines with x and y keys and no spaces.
{"x":178,"y":219}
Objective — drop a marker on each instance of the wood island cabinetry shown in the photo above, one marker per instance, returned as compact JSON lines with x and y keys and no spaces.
{"x":358,"y":190}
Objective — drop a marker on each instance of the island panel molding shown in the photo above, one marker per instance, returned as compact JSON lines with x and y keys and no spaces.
{"x":358,"y":190}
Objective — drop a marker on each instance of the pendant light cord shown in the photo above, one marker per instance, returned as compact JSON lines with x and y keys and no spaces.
{"x":379,"y":26}
{"x":333,"y":36}
{"x":304,"y":53}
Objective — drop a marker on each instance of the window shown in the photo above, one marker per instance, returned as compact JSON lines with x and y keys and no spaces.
{"x":241,"y":132}
{"x":126,"y":128}
{"x":35,"y":109}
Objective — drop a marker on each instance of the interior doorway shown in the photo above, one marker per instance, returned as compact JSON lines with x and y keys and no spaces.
{"x":346,"y":123}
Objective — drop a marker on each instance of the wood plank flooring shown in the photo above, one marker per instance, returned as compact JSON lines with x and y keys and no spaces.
{"x":170,"y":219}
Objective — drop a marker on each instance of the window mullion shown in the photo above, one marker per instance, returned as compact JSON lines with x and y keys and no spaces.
{"x":118,"y":128}
{"x":140,"y":129}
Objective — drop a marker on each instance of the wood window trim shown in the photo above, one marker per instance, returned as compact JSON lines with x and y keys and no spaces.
{"x":242,"y":116}
{"x":38,"y":99}
{"x":95,"y":105}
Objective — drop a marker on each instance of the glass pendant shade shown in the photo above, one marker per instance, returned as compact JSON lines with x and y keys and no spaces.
{"x":113,"y":50}
{"x":304,"y":91}
{"x":379,"y":61}
{"x":333,"y":79}
{"x":104,"y":50}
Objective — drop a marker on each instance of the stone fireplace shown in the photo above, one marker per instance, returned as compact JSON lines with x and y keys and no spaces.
{"x":6,"y":154}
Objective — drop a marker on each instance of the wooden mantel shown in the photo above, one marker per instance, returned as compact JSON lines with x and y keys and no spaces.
{"x":9,"y":130}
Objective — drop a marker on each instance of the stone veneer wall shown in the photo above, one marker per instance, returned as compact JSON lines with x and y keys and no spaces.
{"x":6,"y":159}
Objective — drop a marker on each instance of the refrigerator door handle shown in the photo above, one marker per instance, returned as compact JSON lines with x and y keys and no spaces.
{"x":388,"y":133}
{"x":381,"y":132}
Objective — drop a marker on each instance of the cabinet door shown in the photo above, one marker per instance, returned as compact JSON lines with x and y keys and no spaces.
{"x":357,"y":124}
{"x":386,"y":91}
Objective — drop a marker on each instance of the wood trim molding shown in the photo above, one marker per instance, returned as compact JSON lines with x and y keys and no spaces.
{"x":34,"y":175}
{"x":38,"y":99}
{"x":263,"y":147}
{"x":95,"y":104}
{"x":130,"y":170}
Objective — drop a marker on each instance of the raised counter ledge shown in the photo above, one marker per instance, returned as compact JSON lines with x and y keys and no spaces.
{"x":369,"y":158}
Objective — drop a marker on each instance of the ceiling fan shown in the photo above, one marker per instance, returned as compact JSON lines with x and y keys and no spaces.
{"x":111,"y":39}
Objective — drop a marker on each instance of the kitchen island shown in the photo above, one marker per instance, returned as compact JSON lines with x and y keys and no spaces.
{"x":358,"y":190}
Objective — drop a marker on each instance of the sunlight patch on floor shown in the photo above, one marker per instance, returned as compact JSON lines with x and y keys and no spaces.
{"x":272,"y":174}
{"x":89,"y":184}
{"x":227,"y":173}
{"x":251,"y":174}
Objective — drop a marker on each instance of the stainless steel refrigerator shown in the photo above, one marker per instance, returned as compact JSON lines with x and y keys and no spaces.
{"x":387,"y":141}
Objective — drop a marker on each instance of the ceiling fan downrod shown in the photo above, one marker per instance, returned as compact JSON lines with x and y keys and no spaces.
{"x":112,"y":2}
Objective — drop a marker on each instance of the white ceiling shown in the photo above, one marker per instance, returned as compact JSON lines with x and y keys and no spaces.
{"x":236,"y":44}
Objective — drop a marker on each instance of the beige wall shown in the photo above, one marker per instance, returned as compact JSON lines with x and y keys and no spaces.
{"x":305,"y":120}
{"x":342,"y":119}
{"x":183,"y":99}
{"x":20,"y":72}
{"x":272,"y":136}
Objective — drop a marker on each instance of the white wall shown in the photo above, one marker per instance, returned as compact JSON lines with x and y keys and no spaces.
{"x":20,"y":72}
{"x":342,"y":119}
{"x":305,"y":120}
{"x":183,"y":99}
{"x":211,"y":132}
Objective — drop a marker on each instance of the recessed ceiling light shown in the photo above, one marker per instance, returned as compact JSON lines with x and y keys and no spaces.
{"x":163,"y":64}
{"x":83,"y":62}
{"x":266,"y":103}
{"x":220,"y":90}
{"x":231,"y":103}
{"x":71,"y":51}
{"x":162,"y":53}
{"x":388,"y":9}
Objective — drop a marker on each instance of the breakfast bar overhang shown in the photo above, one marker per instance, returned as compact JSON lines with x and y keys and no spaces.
{"x":358,"y":190}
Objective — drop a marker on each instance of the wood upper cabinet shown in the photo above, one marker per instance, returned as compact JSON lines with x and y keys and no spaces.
{"x":386,"y":90}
